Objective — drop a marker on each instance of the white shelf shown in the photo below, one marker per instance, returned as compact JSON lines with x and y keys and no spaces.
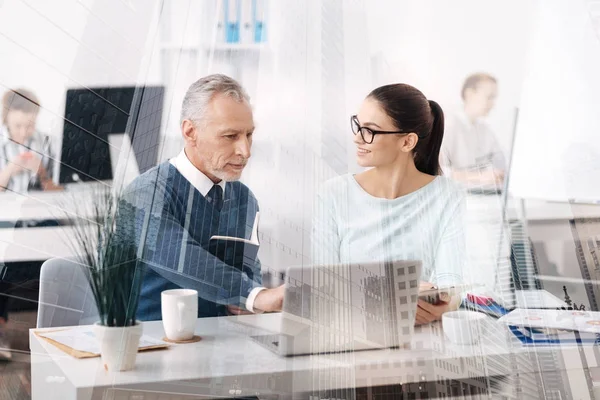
{"x":179,"y":46}
{"x":236,"y":47}
{"x":217,"y":47}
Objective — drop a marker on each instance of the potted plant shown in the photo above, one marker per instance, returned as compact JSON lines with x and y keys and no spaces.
{"x":114,"y":273}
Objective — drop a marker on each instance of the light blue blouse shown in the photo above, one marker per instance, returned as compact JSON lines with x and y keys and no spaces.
{"x":351,"y":226}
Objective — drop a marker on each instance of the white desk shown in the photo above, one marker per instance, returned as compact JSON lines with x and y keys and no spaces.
{"x":51,"y":205}
{"x":27,"y":245}
{"x":228,"y":363}
{"x":39,"y":244}
{"x":35,"y":244}
{"x":45,"y":205}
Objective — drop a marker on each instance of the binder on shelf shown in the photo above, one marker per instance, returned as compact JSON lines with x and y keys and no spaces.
{"x":259,"y":18}
{"x":232,"y":20}
{"x":247,"y":21}
{"x":221,"y":22}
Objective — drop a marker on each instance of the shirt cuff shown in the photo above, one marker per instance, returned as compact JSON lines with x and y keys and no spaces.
{"x":251,"y":297}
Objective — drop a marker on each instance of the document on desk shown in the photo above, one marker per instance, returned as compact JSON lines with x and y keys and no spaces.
{"x":573,"y":320}
{"x":538,"y":299}
{"x":82,"y":339}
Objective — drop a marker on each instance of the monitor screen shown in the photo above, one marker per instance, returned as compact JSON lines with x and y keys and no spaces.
{"x":92,"y":114}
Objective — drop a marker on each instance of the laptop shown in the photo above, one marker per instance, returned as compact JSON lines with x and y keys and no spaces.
{"x":340,"y":308}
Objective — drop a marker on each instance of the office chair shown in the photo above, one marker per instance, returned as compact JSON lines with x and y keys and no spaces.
{"x":65,"y":296}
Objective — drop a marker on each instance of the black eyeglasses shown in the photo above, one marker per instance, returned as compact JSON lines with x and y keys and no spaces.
{"x":367,"y":134}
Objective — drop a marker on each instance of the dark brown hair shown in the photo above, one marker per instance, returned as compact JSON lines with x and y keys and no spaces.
{"x":412,"y":112}
{"x":474,"y":79}
{"x":21,"y":100}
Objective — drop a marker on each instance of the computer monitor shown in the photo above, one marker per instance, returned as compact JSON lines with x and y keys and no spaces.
{"x":510,"y":160}
{"x":92,"y":114}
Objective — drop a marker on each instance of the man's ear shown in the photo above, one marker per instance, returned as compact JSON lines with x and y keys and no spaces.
{"x":409,"y":142}
{"x":188,"y":131}
{"x":468,"y":93}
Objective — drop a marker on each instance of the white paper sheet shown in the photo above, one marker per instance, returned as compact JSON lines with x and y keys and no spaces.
{"x":537,"y":299}
{"x":583,"y":321}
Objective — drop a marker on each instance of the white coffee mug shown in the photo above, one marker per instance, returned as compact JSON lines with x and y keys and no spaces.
{"x":463,"y":327}
{"x":179,"y":313}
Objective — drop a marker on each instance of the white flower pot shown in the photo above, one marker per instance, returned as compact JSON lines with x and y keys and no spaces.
{"x":118,"y":345}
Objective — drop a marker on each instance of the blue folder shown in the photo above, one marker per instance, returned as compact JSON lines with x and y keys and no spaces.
{"x":494,"y":309}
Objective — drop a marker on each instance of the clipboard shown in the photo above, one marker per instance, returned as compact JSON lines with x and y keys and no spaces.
{"x":84,"y":354}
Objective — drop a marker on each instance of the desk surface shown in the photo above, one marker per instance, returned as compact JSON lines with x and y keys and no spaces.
{"x":28,"y":245}
{"x":45,"y":205}
{"x":49,"y":205}
{"x":35,"y":244}
{"x":228,"y":359}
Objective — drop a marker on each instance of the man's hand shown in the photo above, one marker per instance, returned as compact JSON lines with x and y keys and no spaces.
{"x":269,"y":300}
{"x":496,"y":177}
{"x":235,"y":310}
{"x":476,"y":178}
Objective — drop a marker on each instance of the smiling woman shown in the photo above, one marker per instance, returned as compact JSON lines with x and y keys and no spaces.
{"x":400,"y":208}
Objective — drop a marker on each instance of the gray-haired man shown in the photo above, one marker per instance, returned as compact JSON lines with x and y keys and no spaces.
{"x":172,"y":210}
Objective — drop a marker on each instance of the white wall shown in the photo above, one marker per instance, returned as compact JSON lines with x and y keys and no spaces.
{"x":49,"y":47}
{"x":557,"y":152}
{"x":434,"y":45}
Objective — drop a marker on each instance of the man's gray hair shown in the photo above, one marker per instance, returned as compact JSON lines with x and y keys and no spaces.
{"x":201,"y":92}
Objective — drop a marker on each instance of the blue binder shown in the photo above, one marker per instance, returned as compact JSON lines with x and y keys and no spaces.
{"x":231,"y":13}
{"x":258,"y":16}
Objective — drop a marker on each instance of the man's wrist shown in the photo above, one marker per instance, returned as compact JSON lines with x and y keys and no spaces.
{"x":251,"y":298}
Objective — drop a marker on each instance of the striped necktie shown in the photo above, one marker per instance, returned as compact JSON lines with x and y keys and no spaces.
{"x":215,"y":197}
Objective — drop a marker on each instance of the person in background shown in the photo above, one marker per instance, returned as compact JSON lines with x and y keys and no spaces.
{"x":25,"y":154}
{"x":470,"y":152}
{"x":173,"y":209}
{"x":25,"y":164}
{"x":400,"y":208}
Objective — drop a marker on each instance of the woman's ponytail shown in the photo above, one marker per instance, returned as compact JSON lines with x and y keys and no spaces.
{"x":412,"y":112}
{"x":427,"y":152}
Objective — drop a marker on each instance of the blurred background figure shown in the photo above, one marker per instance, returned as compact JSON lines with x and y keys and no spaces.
{"x":25,"y":164}
{"x":470,"y":151}
{"x":25,"y":154}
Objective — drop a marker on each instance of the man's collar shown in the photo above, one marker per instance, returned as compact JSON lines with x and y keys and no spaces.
{"x":464,"y":118}
{"x":201,"y":182}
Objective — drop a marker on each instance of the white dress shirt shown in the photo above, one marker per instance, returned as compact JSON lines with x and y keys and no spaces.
{"x":203,"y":184}
{"x":470,"y":145}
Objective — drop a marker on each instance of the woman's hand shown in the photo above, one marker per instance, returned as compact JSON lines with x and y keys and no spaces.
{"x":28,"y":161}
{"x":427,"y":312}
